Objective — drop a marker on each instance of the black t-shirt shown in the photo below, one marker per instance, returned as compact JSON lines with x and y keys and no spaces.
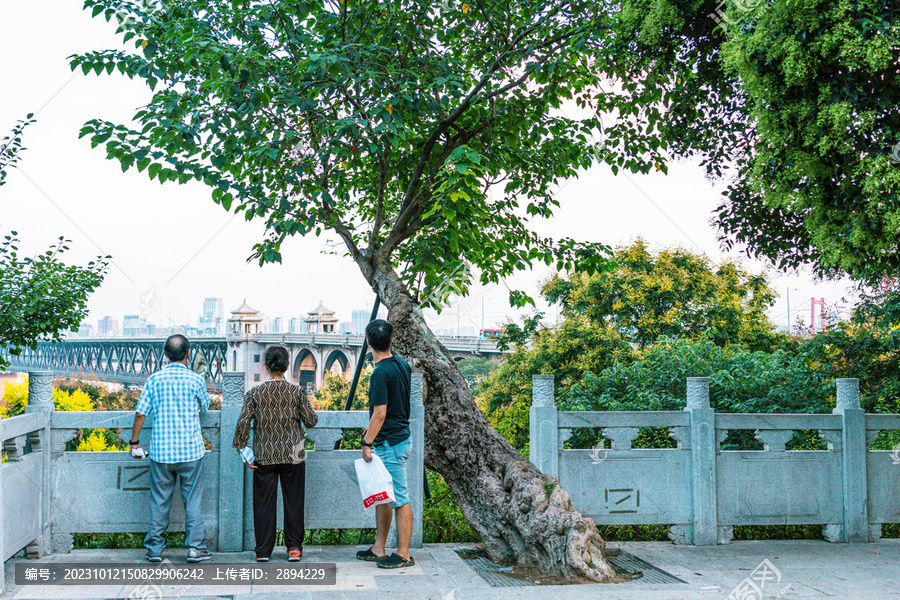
{"x":390,"y":385}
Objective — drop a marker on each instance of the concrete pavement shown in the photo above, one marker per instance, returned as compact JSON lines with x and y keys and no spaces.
{"x":747,"y":570}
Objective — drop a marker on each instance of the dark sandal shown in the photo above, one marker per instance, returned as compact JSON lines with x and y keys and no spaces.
{"x":367,"y":555}
{"x":395,"y":561}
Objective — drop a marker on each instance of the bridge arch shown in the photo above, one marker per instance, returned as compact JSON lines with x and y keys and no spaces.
{"x":305,"y":368}
{"x":337,"y":357}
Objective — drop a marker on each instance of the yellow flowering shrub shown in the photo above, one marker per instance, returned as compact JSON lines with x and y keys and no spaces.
{"x":75,"y":400}
{"x":96,"y":442}
{"x":15,"y":398}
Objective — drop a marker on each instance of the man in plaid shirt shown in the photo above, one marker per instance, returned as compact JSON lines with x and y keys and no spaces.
{"x":175,"y":396}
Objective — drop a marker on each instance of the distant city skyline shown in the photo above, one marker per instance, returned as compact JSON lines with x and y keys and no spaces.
{"x":210,"y":321}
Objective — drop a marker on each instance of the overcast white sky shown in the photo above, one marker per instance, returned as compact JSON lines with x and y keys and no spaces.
{"x":175,"y":241}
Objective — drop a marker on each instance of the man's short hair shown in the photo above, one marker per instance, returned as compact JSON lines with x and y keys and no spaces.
{"x":277,"y":358}
{"x":177,"y":347}
{"x":379,"y":333}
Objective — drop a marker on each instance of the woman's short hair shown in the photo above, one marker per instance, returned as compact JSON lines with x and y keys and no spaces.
{"x":277,"y":359}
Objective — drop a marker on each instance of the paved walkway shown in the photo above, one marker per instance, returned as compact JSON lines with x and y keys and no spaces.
{"x":795,"y":570}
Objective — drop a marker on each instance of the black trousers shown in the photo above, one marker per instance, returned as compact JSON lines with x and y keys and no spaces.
{"x":265,"y":492}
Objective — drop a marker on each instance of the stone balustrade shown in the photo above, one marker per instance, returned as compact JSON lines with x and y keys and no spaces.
{"x":48,"y":494}
{"x":701,"y":491}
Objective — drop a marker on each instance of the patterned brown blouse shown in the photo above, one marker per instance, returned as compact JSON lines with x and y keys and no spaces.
{"x":279,"y":410}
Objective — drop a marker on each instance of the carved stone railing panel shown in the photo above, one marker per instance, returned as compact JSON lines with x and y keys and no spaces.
{"x":15,"y":447}
{"x":773,"y":440}
{"x":621,"y":437}
{"x":324,"y":439}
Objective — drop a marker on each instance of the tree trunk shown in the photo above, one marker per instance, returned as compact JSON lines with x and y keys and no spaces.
{"x":518,"y":512}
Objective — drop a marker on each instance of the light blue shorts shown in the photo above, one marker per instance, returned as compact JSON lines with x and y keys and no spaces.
{"x":394,"y":458}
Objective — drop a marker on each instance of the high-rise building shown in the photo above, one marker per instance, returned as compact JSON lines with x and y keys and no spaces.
{"x":347,"y":327}
{"x":212,"y":321}
{"x":296,"y":325}
{"x":107,"y":326}
{"x":278,"y":325}
{"x":85,"y":330}
{"x":132,"y":326}
{"x":361,"y":318}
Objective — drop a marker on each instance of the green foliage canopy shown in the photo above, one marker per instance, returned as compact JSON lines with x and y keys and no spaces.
{"x":740,"y":380}
{"x":333,"y":393}
{"x":670,"y":293}
{"x":866,"y":347}
{"x":424,"y":135}
{"x":612,"y":318}
{"x":798,"y":108}
{"x":11,"y":147}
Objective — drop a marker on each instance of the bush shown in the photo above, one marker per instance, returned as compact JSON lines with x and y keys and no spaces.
{"x":15,"y":398}
{"x":442,"y":519}
{"x":740,"y":380}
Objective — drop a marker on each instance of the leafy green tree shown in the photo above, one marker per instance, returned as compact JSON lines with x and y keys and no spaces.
{"x":333,"y":394}
{"x":866,"y":347}
{"x":611,"y":317}
{"x":568,"y":352}
{"x":740,"y":380}
{"x":40,"y":297}
{"x":796,"y":103}
{"x":671,"y":293}
{"x":11,"y":147}
{"x":425,"y":136}
{"x":476,"y":370}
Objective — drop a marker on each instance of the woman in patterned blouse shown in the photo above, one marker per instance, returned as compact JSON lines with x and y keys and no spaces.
{"x":278,"y":409}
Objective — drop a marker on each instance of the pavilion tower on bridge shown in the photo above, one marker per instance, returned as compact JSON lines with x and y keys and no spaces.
{"x":321,"y":320}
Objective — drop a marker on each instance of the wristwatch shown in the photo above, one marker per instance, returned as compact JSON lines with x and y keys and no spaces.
{"x":363,"y":443}
{"x":135,"y":443}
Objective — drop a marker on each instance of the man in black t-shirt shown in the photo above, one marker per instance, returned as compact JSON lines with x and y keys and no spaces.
{"x":388,"y":433}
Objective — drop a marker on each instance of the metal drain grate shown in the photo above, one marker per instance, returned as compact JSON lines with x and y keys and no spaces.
{"x":495,"y":575}
{"x":632,"y":563}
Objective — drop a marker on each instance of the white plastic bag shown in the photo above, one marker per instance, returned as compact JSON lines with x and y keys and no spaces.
{"x":375,"y":482}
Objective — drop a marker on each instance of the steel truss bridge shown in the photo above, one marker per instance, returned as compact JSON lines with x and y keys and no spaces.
{"x":125,"y":361}
{"x":133,"y":360}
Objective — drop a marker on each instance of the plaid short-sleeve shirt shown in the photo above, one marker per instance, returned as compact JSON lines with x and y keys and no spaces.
{"x":175,"y":397}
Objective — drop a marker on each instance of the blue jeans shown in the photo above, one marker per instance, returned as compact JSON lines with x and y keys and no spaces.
{"x":162,"y":486}
{"x":394,"y":459}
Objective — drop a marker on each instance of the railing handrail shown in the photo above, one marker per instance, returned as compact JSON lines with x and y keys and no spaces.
{"x":18,"y":425}
{"x":879,"y":422}
{"x":637,"y":418}
{"x":98,"y":419}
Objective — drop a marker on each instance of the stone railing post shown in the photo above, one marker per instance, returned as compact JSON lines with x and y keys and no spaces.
{"x":703,"y":461}
{"x":417,"y":456}
{"x":543,"y":426}
{"x":231,"y":468}
{"x":415,"y":466}
{"x":855,"y":527}
{"x":40,"y":399}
